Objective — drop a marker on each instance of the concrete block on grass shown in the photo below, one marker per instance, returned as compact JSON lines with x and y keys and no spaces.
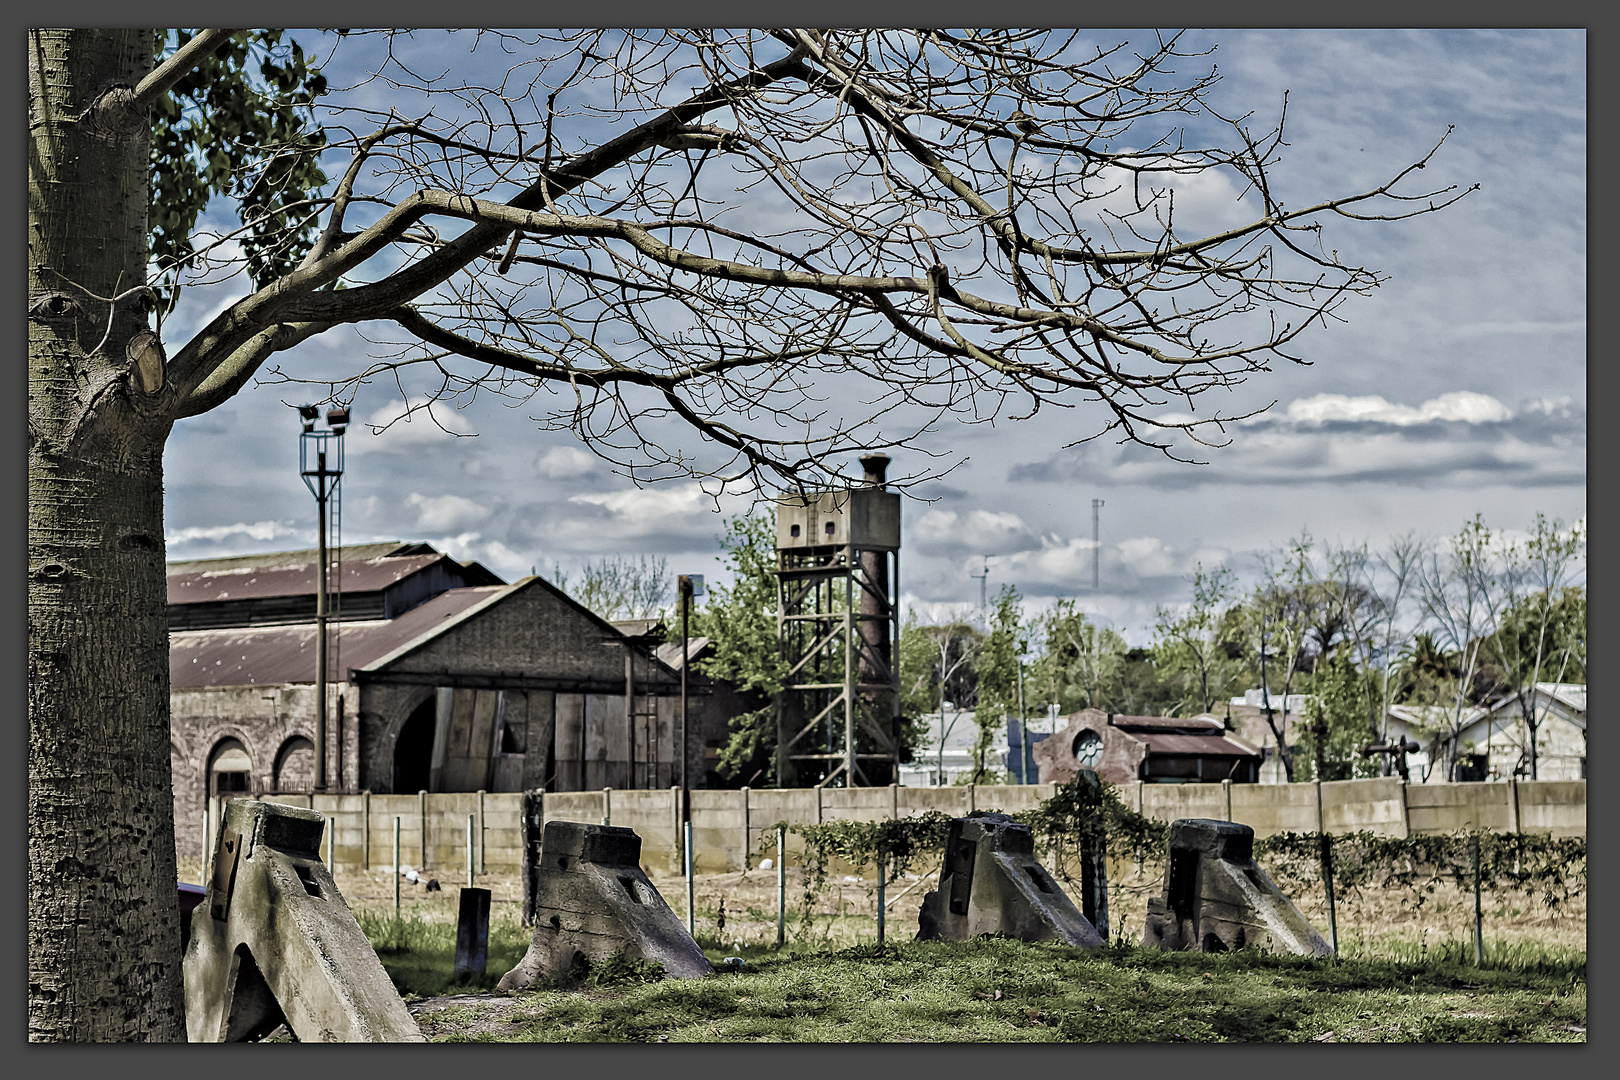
{"x":1216,"y":897}
{"x":592,"y":900}
{"x":992,"y":884}
{"x":273,"y":941}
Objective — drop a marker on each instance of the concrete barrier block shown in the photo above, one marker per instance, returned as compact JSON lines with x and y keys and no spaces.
{"x":592,"y":900}
{"x":1216,"y":897}
{"x":274,"y":941}
{"x":992,"y":884}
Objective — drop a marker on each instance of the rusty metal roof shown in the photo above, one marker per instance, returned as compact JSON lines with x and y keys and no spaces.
{"x":1212,"y":745}
{"x":286,"y":654}
{"x":297,"y":579}
{"x":1120,"y":720}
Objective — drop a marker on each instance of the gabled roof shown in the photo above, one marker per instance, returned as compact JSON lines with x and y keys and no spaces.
{"x":272,"y":655}
{"x":1565,"y":701}
{"x":362,"y":568}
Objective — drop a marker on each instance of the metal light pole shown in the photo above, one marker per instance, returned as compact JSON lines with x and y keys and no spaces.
{"x":688,"y":585}
{"x":323,"y":478}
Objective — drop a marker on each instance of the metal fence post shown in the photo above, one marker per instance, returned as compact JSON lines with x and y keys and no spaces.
{"x":781,"y":886}
{"x":396,"y":866}
{"x":691,"y":912}
{"x":880,"y":869}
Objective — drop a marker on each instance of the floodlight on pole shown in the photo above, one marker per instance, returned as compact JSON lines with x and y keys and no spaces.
{"x":320,"y":463}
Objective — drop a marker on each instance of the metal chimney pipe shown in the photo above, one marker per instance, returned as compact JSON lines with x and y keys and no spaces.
{"x":875,"y":629}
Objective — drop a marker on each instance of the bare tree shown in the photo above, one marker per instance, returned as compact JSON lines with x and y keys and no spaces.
{"x":632,"y":234}
{"x":1525,"y":639}
{"x":1464,"y":591}
{"x":1396,"y":573}
{"x":621,"y":587}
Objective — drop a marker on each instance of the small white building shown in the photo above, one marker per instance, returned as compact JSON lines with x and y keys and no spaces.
{"x":1502,"y":736}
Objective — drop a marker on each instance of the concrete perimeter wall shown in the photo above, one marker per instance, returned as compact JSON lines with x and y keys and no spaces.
{"x":731,"y":826}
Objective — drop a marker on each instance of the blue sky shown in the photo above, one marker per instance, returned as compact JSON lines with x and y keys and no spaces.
{"x":1459,"y":387}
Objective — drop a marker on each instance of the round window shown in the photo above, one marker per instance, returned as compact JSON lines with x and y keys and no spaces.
{"x":1088,"y":748}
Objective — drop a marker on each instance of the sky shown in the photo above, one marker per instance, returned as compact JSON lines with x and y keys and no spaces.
{"x":1457,"y":388}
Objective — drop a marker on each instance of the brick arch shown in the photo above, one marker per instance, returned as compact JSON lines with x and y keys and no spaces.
{"x":413,"y":748}
{"x":237,"y":746}
{"x":295,"y":765}
{"x":387,"y":710}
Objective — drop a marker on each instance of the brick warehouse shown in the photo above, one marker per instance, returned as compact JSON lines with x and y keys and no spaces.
{"x":442,"y":678}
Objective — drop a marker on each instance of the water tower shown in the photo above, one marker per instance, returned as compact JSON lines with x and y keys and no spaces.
{"x":838,"y":625}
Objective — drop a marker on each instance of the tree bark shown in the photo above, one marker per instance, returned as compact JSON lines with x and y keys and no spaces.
{"x":103,"y":919}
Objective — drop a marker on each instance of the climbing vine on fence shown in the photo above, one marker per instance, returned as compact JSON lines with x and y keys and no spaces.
{"x":1546,"y":868}
{"x":900,"y":844}
{"x":1549,"y":868}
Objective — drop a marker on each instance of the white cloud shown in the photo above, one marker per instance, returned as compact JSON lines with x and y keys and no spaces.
{"x":982,"y":529}
{"x":1460,"y":405}
{"x":649,"y":504}
{"x":561,"y":462}
{"x":259,"y":530}
{"x":406,"y":425}
{"x":1199,"y":201}
{"x":445,"y":512}
{"x":1148,"y":556}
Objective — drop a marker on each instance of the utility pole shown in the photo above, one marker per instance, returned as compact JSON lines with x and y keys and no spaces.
{"x":324,"y":481}
{"x":688,"y":585}
{"x":1096,"y":546}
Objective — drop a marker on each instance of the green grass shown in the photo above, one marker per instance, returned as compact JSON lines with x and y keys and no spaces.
{"x":998,"y":990}
{"x":420,"y":956}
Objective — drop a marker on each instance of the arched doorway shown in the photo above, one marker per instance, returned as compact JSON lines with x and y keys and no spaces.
{"x":413,"y":750}
{"x":295,"y":765}
{"x":230,"y":769}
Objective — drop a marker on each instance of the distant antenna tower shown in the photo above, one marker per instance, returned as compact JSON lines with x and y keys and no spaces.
{"x":984,"y":600}
{"x":1096,"y":546}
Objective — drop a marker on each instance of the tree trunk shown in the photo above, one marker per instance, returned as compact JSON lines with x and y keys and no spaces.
{"x":103,"y":919}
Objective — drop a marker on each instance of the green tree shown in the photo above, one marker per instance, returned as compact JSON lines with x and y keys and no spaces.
{"x":1335,"y":727}
{"x":1193,"y":643}
{"x":937,"y":669}
{"x":740,"y":620}
{"x":635,"y":227}
{"x":997,"y":669}
{"x":103,"y":928}
{"x":1143,"y":689}
{"x":1082,"y":662}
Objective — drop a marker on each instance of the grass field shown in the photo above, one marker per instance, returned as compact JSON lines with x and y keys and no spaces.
{"x":998,"y":990}
{"x":1402,"y":975}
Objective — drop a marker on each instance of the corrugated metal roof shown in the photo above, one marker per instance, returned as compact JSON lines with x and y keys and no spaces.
{"x":235,"y":582}
{"x":286,"y":654}
{"x":1122,"y":721}
{"x":1201,"y":745}
{"x":670,"y":651}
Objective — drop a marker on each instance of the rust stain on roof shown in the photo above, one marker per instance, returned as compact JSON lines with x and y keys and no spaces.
{"x":286,"y":654}
{"x":295,"y":579}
